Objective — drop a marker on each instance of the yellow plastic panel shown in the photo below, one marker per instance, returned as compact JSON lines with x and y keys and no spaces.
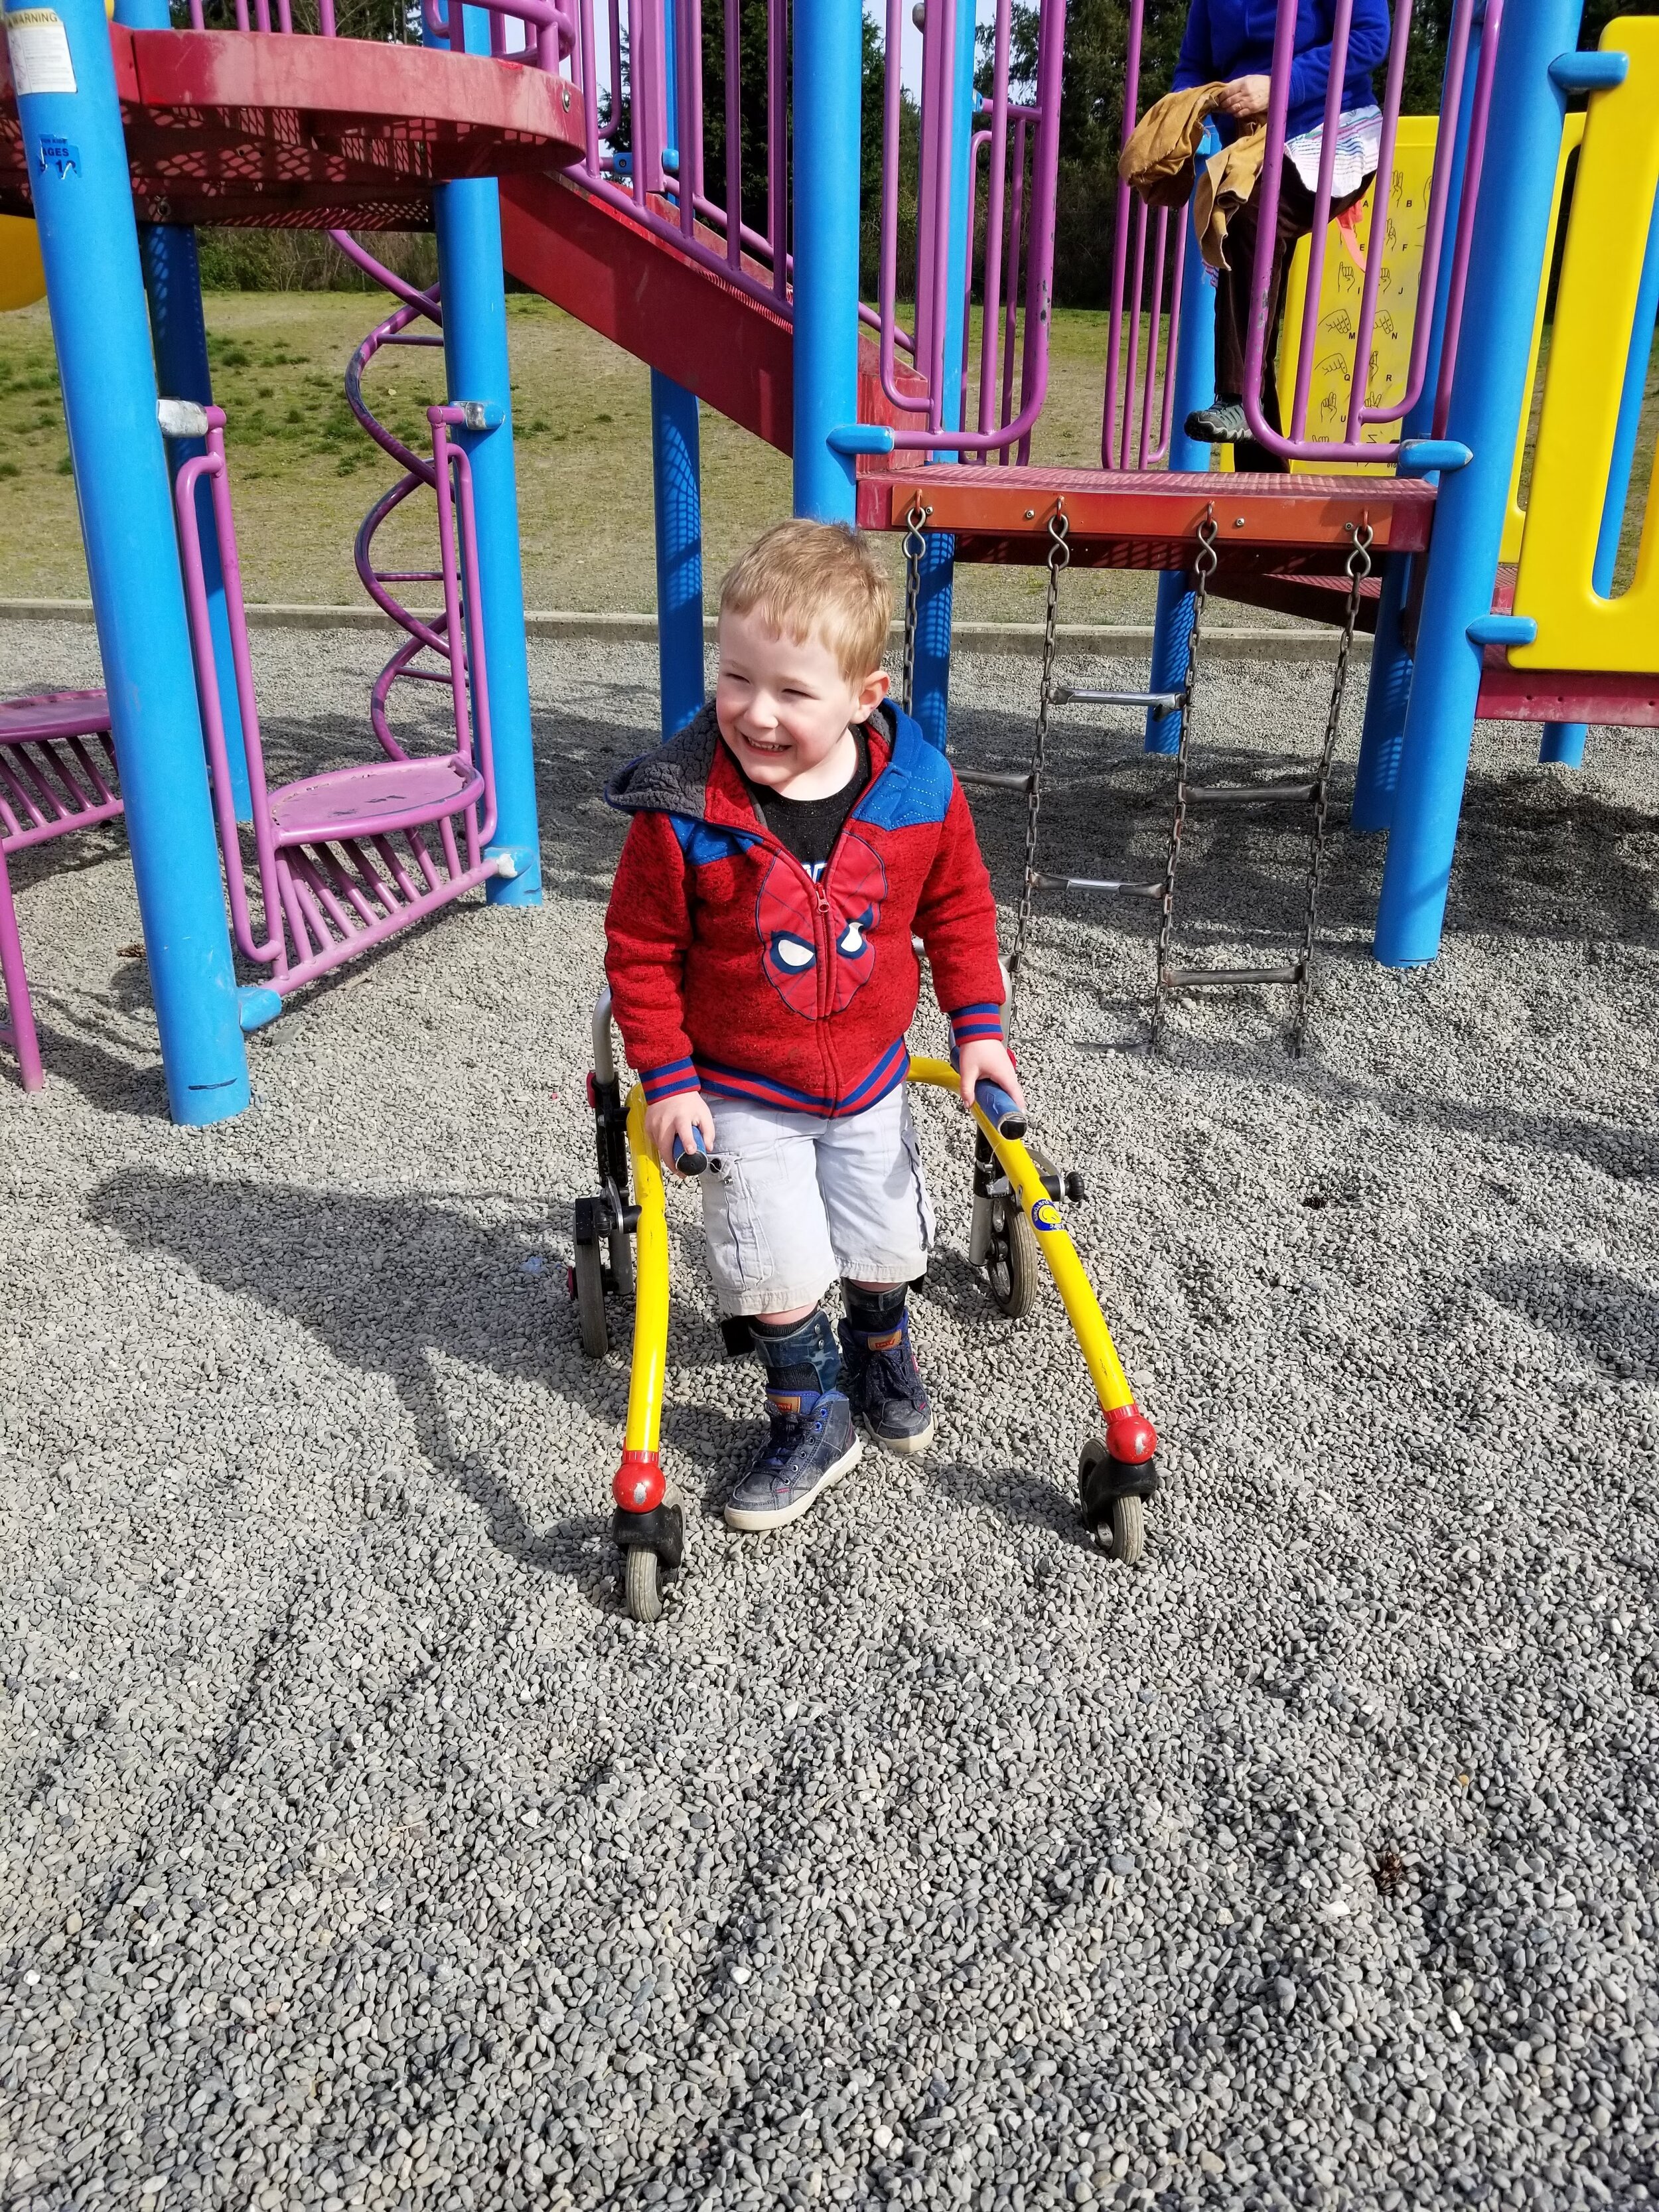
{"x":22,"y":280}
{"x":1515,"y":521}
{"x":1339,"y":292}
{"x":1595,"y":311}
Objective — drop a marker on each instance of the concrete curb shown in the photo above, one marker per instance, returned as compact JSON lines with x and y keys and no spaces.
{"x":1106,"y":641}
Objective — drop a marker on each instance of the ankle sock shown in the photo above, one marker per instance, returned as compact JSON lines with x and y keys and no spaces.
{"x":873,"y":1313}
{"x":798,"y":1355}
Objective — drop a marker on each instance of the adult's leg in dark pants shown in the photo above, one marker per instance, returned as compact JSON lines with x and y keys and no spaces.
{"x":1233,"y":292}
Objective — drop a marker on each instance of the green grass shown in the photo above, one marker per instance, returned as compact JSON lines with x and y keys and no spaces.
{"x":303,"y":474}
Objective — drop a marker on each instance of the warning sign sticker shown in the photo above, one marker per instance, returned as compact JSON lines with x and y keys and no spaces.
{"x":39,"y":51}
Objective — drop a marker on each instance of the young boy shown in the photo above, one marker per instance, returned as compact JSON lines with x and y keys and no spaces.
{"x":783,"y":849}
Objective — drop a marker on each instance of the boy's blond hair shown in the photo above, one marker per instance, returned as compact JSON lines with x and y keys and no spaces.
{"x":816,"y":580}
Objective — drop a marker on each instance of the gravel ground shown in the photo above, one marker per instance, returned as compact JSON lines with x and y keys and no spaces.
{"x":355,"y":1851}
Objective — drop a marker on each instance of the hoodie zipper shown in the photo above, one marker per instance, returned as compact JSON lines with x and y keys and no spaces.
{"x":823,"y":934}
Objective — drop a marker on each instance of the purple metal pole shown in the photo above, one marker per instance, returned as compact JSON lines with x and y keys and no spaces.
{"x":992,"y":290}
{"x":1478,"y":122}
{"x":1121,"y":241}
{"x":1040,"y":259}
{"x":1343,"y":17}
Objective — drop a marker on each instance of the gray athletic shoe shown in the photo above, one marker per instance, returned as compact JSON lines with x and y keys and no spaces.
{"x":812,"y":1444}
{"x":885,"y":1386}
{"x":1221,"y":423}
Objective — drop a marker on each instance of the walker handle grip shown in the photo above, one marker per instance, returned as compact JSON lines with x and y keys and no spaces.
{"x":999,"y":1110}
{"x":690,"y":1163}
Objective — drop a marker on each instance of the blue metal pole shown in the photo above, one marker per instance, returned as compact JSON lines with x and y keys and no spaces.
{"x":827,"y":111}
{"x":1389,"y":687}
{"x":1172,"y":625}
{"x":1564,"y":742}
{"x":172,"y":283}
{"x":677,"y":484}
{"x":936,"y":593}
{"x":675,"y":478}
{"x":1516,"y":187}
{"x":467,"y":218}
{"x":77,"y":165}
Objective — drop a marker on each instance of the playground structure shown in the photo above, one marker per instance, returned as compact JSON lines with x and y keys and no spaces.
{"x":503,"y":131}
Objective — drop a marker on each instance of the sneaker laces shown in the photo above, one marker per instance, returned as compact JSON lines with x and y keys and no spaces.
{"x":789,"y":1427}
{"x":894,"y":1367}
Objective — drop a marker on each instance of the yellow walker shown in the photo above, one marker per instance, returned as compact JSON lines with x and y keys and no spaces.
{"x":1015,"y":1209}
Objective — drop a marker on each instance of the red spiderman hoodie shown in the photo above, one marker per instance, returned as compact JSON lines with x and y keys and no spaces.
{"x":733,"y":972}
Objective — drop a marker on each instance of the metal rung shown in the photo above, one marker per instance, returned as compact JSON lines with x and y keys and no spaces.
{"x":1097,"y":884}
{"x":1242,"y":794}
{"x":1167,"y":702}
{"x":1199,"y":978}
{"x":995,"y":779}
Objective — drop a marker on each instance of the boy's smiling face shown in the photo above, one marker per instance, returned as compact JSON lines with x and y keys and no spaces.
{"x":785,"y":707}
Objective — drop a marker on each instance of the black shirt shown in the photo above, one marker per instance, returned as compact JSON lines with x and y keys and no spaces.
{"x":808,"y":828}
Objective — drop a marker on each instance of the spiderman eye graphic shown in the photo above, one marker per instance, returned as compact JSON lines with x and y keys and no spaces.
{"x":850,"y":943}
{"x":785,"y":912}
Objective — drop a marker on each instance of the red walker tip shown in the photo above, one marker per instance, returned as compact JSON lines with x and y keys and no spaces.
{"x":1130,"y":1436}
{"x":638,"y":1485}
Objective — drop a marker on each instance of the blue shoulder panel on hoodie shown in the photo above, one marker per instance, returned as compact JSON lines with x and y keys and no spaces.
{"x":703,"y":844}
{"x":915,"y":788}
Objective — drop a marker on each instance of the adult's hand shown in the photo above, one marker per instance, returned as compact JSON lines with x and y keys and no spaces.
{"x":1246,"y":98}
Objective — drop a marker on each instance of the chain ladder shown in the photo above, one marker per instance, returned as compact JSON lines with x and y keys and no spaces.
{"x":1060,"y":559}
{"x":1359,"y":566}
{"x":915,"y":547}
{"x":1204,"y":567}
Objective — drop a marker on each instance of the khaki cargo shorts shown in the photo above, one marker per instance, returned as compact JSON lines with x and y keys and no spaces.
{"x":796,"y":1199}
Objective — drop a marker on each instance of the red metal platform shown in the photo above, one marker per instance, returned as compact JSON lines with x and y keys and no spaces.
{"x":256,"y":131}
{"x":1150,"y":520}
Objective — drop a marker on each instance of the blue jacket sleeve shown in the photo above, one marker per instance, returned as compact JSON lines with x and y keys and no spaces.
{"x":1195,"y":66}
{"x":1368,"y":46}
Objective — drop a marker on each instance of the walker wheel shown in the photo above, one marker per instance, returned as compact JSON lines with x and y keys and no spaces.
{"x":1118,"y":1523}
{"x":1012,"y":1265}
{"x":589,"y":1277}
{"x":1128,"y":1531}
{"x":641,"y":1583}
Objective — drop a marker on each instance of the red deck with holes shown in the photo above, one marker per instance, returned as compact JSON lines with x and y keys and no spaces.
{"x":1150,"y":520}
{"x":251,"y":129}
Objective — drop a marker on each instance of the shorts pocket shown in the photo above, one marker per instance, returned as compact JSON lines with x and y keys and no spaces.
{"x":739,"y":1253}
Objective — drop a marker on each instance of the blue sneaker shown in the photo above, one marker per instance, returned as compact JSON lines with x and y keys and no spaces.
{"x":885,"y":1386}
{"x":812,"y":1444}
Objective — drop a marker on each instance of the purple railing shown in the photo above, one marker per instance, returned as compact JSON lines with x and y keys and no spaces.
{"x":1149,"y":251}
{"x":1141,"y":279}
{"x":616,"y":54}
{"x":1293,"y":443}
{"x":332,"y":880}
{"x":1021,"y":146}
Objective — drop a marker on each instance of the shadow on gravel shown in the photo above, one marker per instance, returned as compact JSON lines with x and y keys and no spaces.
{"x":1610,"y":1319}
{"x":1626,"y":1153}
{"x":73,"y":1055}
{"x":397,"y":1287}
